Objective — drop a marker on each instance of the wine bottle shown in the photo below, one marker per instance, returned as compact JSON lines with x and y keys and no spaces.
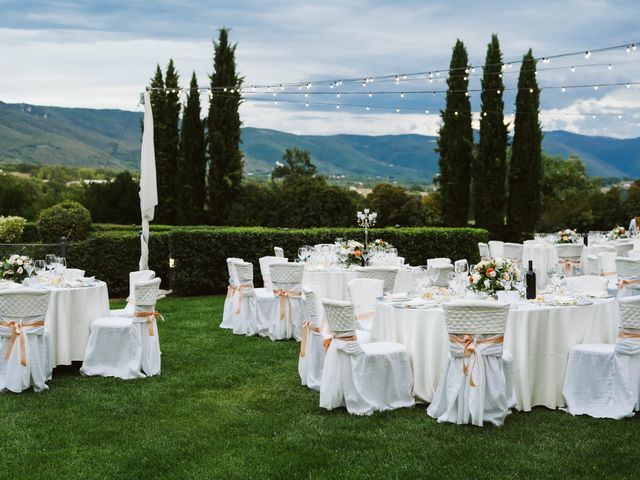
{"x":530,"y":279}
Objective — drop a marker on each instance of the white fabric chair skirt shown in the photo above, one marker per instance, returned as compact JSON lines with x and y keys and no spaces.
{"x":311,"y":365}
{"x":14,"y":376}
{"x":287,"y":317}
{"x":366,"y":378}
{"x":243,"y":313}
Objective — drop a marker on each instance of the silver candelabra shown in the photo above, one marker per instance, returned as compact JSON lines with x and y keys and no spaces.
{"x":366,"y":219}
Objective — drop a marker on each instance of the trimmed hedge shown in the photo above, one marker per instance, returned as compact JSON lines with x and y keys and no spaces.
{"x":200,"y":253}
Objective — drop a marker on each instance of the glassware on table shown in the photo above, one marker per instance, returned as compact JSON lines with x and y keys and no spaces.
{"x":29,"y":266}
{"x":50,"y":261}
{"x":39,"y":266}
{"x":556,"y":276}
{"x":302,"y":254}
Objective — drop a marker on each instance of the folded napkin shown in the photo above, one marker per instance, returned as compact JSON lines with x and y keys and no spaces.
{"x":419,"y":302}
{"x":564,"y":300}
{"x":597,"y":294}
{"x":79,"y":282}
{"x":395,"y":296}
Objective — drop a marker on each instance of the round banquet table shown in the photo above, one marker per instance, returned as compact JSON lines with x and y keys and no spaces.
{"x":538,"y":337}
{"x":333,"y":283}
{"x":69,"y":317}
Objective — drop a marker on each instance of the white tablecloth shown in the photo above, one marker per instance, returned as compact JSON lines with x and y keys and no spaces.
{"x":68,"y":321}
{"x":538,"y":337}
{"x":544,"y":257}
{"x":333,"y":283}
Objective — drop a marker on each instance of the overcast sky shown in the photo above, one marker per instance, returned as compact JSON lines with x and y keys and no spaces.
{"x":102,"y":54}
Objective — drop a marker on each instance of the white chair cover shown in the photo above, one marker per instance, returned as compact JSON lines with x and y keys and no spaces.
{"x":438,"y":262}
{"x":264,"y":270}
{"x":279,"y":252}
{"x":288,"y":311}
{"x":587,"y":284}
{"x":363,"y":377}
{"x":483,"y":248}
{"x":634,"y":254}
{"x":445,"y":274}
{"x":475,"y":384}
{"x":623,"y":249}
{"x":569,"y":257}
{"x":25,"y":355}
{"x":496,"y":247}
{"x":134,"y":277}
{"x":513,"y":251}
{"x":232,"y":291}
{"x":386,"y":274}
{"x":124,"y":347}
{"x":363,"y":293}
{"x":607,"y":262}
{"x":244,"y":315}
{"x":312,"y":353}
{"x":603,"y":381}
{"x":628,"y":270}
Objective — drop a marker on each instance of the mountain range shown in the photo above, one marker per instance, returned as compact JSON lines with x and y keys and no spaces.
{"x":111,"y":138}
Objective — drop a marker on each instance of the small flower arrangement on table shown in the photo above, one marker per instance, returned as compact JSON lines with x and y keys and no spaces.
{"x":618,"y":232}
{"x":351,"y":252}
{"x":490,"y":276}
{"x":568,"y":236}
{"x":380,"y":244}
{"x":13,"y":268}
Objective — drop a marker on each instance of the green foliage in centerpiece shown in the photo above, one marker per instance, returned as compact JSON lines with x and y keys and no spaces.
{"x":492,"y":275}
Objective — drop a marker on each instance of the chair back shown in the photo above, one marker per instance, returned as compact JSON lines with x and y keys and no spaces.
{"x":363,"y":293}
{"x":627,"y":267}
{"x":438,"y":262}
{"x":287,"y":276}
{"x":25,"y":305}
{"x":146,"y":294}
{"x":607,"y":262}
{"x":630,"y":313}
{"x":244,"y":272}
{"x":138,"y":276}
{"x":264,"y":269}
{"x":634,"y":254}
{"x":569,"y":250}
{"x":496,"y":248}
{"x":340,"y":317}
{"x":445,"y":274}
{"x":513,"y":251}
{"x":623,"y":249}
{"x":311,"y":304}
{"x":475,"y":317}
{"x":386,"y":274}
{"x":278,"y":251}
{"x":587,"y":283}
{"x":483,"y":248}
{"x":233,"y":280}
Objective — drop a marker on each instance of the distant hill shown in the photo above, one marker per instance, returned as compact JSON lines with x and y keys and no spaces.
{"x":111,"y":138}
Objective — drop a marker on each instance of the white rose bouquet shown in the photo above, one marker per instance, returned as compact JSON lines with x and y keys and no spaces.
{"x":492,"y":275}
{"x":13,"y":268}
{"x":568,"y":236}
{"x":618,"y":233}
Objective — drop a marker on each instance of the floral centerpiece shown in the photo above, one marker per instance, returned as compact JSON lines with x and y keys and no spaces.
{"x":492,"y":275}
{"x":568,"y":236}
{"x":381,"y":244}
{"x":351,"y":253}
{"x":618,"y":232}
{"x":12,"y":268}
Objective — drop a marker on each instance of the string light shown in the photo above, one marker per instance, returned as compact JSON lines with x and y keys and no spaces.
{"x":587,"y":54}
{"x":610,"y":67}
{"x":402,"y":95}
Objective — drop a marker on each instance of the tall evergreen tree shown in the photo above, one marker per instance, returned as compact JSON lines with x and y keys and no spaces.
{"x":192,"y":164}
{"x":489,"y":167}
{"x":455,"y":142}
{"x":525,"y":169}
{"x":225,"y":169}
{"x":159,"y":108}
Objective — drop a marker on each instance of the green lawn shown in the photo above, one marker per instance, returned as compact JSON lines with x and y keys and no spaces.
{"x":232,"y":407}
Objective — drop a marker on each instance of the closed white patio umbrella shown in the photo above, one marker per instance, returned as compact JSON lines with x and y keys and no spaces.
{"x":148,"y":185}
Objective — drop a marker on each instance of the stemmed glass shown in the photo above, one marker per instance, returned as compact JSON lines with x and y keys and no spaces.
{"x":302,"y":254}
{"x":29,"y":266}
{"x":39,"y":266}
{"x":556,"y":275}
{"x":50,"y":261}
{"x":365,"y":256}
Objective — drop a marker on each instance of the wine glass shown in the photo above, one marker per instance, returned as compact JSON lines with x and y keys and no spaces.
{"x":302,"y":254}
{"x":39,"y":266}
{"x":29,"y":266}
{"x":50,"y":261}
{"x":365,"y":256}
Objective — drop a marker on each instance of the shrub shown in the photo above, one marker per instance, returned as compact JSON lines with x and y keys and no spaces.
{"x":66,"y":219}
{"x":11,"y":228}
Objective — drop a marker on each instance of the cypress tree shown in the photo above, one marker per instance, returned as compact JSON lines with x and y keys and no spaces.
{"x":455,"y":142}
{"x":525,"y":169}
{"x":489,"y":167}
{"x":169,"y":197}
{"x":158,"y":106}
{"x":192,"y":165}
{"x":225,"y":170}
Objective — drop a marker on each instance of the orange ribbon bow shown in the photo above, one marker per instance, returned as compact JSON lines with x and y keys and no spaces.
{"x":623,"y":282}
{"x":231,"y":290}
{"x":365,"y":315}
{"x":568,"y":263}
{"x":151,"y":316}
{"x":629,"y":335}
{"x":285,"y":298}
{"x":470,"y":350}
{"x":326,"y":343}
{"x":240,"y":288}
{"x":306,"y":328}
{"x":17,"y":330}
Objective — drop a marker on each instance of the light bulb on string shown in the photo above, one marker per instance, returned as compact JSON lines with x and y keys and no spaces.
{"x":364,"y":83}
{"x":628,"y":85}
{"x":595,"y":87}
{"x":368,"y":108}
{"x":498,"y":92}
{"x":299,"y":87}
{"x":619,"y":117}
{"x":337,"y":107}
{"x":308,"y":85}
{"x":306,"y":94}
{"x":404,"y":77}
{"x":402,"y":95}
{"x":370,"y":94}
{"x":563,"y":89}
{"x":573,"y":69}
{"x":306,"y":104}
{"x":397,"y":110}
{"x":338,"y":94}
{"x":531,"y":90}
{"x":281,"y":87}
{"x":455,"y":113}
{"x":427,"y":112}
{"x":331,"y":86}
{"x":633,"y":47}
{"x":610,"y":67}
{"x":587,"y":54}
{"x":253,"y":88}
{"x":628,"y":48}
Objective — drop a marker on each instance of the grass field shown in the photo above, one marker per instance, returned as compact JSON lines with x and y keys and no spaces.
{"x":232,"y":407}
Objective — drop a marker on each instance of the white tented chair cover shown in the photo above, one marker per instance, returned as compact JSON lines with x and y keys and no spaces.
{"x":569,"y":255}
{"x":483,"y":248}
{"x":496,"y":247}
{"x":386,"y":274}
{"x":591,"y":265}
{"x":264,"y":270}
{"x":603,"y":380}
{"x":363,"y":293}
{"x":607,"y":262}
{"x":134,"y":277}
{"x":628,"y":276}
{"x":288,"y":311}
{"x":513,"y":251}
{"x":475,"y":384}
{"x":244,"y":314}
{"x":634,"y":254}
{"x":587,"y":284}
{"x":623,"y":249}
{"x":312,"y":353}
{"x":445,"y":274}
{"x":365,"y":377}
{"x":25,"y":357}
{"x":232,"y":295}
{"x":438,"y":262}
{"x":124,"y":347}
{"x":278,"y":251}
